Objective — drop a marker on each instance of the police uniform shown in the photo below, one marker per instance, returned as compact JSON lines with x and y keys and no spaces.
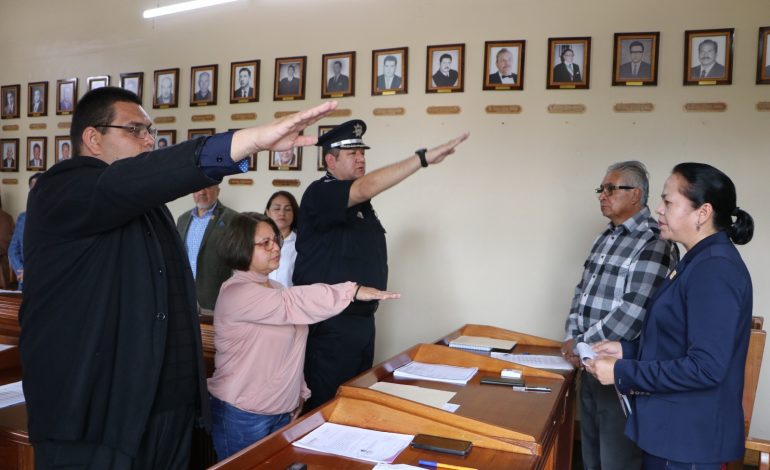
{"x":337,"y":243}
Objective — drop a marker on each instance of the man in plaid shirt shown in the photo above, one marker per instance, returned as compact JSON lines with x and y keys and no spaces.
{"x":626,"y":264}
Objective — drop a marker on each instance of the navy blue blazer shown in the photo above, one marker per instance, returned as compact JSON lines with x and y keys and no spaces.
{"x":688,"y":374}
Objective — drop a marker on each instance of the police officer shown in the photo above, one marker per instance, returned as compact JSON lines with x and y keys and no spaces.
{"x":341,"y":239}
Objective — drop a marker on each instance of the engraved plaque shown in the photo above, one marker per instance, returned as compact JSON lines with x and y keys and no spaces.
{"x":11,"y":127}
{"x":443,"y":110}
{"x":285,"y":182}
{"x":243,"y":116}
{"x":340,"y":113}
{"x":503,"y":109}
{"x":280,"y":114}
{"x":10,"y":181}
{"x":706,"y":107}
{"x":240,"y":181}
{"x":633,"y":107}
{"x":38,"y":125}
{"x":165,"y":119}
{"x":566,"y":108}
{"x":203,"y":117}
{"x":389,"y":111}
{"x":761,"y":106}
{"x":64,"y":125}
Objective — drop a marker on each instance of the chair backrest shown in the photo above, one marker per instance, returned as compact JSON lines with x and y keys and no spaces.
{"x":753,"y":367}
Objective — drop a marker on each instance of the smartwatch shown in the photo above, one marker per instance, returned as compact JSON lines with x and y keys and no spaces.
{"x":421,"y":153}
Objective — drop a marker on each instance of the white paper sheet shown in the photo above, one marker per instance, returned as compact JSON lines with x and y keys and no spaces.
{"x":535,"y":360}
{"x":11,"y":394}
{"x":424,"y":395}
{"x":436,"y":372}
{"x":585,"y":352}
{"x":355,"y":443}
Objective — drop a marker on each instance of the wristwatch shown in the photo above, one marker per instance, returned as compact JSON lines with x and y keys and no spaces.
{"x":421,"y":153}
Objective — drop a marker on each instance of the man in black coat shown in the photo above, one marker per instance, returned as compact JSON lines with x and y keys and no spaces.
{"x":110,"y":343}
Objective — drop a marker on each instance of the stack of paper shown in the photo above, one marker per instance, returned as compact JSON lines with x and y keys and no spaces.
{"x":11,"y":394}
{"x":355,"y":443}
{"x":480,"y":343}
{"x":436,"y":373}
{"x":535,"y":360}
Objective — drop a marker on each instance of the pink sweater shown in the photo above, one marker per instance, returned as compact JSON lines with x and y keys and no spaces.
{"x":260,"y":336}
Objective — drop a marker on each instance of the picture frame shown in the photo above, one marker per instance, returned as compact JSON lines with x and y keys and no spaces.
{"x":9,"y":155}
{"x":504,"y":65}
{"x":763,"y":57}
{"x":320,"y":163}
{"x":165,"y":92}
{"x":165,"y":138}
{"x":97,"y":81}
{"x":446,"y":63}
{"x":338,"y":74}
{"x":195,"y":133}
{"x":708,"y":56}
{"x":288,"y":160}
{"x":565,"y":70}
{"x":252,"y":158}
{"x":289,"y":83}
{"x":36,"y":153}
{"x":390,"y":71}
{"x":66,"y":96}
{"x":635,"y":59}
{"x":62,"y":148}
{"x":37,"y":99}
{"x":244,"y":81}
{"x":10,"y":102}
{"x":203,"y":85}
{"x":133,"y":81}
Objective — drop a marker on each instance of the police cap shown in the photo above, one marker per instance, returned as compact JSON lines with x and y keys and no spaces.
{"x":345,"y":136}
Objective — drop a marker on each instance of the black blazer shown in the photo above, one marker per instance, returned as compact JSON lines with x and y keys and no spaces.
{"x":560,"y":73}
{"x":93,"y":324}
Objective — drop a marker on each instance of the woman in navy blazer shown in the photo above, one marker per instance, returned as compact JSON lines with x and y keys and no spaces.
{"x":686,"y":369}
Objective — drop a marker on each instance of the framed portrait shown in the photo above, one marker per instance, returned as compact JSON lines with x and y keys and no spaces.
{"x":252,"y":159}
{"x":244,"y":81}
{"x":10,"y":154}
{"x":504,"y":65}
{"x":37,"y":99}
{"x":289,"y":78}
{"x":708,"y":57}
{"x":165,"y":92}
{"x":321,"y":165}
{"x":338,"y":75}
{"x":203,"y":85}
{"x":635,"y":59}
{"x":133,"y":81}
{"x":36,"y":153}
{"x":63,"y":148}
{"x":763,"y":57}
{"x":10,"y":97}
{"x":286,"y":160}
{"x":445,"y":71}
{"x":66,"y":95}
{"x":97,"y":81}
{"x":165,"y":138}
{"x":569,"y":62}
{"x":195,"y":133}
{"x":389,"y":71}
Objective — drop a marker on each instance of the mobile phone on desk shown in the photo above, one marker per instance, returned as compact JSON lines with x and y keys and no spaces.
{"x":441,"y":444}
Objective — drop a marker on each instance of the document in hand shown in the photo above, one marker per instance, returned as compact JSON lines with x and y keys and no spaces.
{"x":436,"y":373}
{"x":355,"y":443}
{"x":585,"y":352}
{"x":480,"y":343}
{"x":535,"y":360}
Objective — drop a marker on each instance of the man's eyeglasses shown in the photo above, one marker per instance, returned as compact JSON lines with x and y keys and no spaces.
{"x":140,"y":131}
{"x":609,"y":188}
{"x":267,"y":243}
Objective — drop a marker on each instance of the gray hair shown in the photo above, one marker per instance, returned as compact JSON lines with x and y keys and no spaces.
{"x":636,"y":175}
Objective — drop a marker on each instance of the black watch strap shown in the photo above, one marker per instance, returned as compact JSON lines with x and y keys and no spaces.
{"x":421,"y":153}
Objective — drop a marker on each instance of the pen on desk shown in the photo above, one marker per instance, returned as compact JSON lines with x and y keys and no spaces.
{"x":531,"y":389}
{"x":443,"y":465}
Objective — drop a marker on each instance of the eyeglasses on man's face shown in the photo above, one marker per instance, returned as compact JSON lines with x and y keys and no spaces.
{"x":608,"y":189}
{"x":267,"y":243}
{"x":140,"y":131}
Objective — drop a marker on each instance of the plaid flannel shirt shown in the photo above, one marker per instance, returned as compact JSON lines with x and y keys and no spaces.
{"x":626,"y":264}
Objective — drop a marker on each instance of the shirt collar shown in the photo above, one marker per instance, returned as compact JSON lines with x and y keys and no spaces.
{"x":206,"y":214}
{"x":632,"y":223}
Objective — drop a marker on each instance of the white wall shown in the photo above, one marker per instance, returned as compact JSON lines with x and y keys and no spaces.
{"x":498,"y":233}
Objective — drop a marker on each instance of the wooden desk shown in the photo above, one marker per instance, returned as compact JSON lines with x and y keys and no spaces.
{"x":509,"y":429}
{"x":15,"y":449}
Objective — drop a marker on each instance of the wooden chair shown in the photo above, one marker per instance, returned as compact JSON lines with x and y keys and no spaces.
{"x":750,"y":381}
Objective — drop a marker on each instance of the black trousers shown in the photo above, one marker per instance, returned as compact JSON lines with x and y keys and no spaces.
{"x":338,"y":349}
{"x":165,"y":445}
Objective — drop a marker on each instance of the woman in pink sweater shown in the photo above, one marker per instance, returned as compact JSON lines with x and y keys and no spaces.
{"x":260,"y":330}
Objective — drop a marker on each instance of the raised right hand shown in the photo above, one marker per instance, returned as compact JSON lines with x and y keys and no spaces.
{"x":370,"y":293}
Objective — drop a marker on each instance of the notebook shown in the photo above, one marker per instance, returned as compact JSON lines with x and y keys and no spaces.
{"x":480,"y":343}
